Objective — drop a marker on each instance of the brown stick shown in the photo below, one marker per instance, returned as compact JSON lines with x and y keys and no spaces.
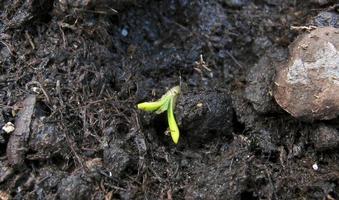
{"x":16,"y":147}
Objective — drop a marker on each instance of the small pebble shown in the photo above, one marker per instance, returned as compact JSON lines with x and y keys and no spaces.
{"x":36,"y":90}
{"x":235,"y":3}
{"x":315,"y":167}
{"x":8,"y":127}
{"x":124,"y":32}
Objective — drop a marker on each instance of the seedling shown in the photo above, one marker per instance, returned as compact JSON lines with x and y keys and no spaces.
{"x":165,"y":103}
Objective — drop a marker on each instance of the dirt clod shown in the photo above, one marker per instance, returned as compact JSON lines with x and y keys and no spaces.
{"x":74,"y":187}
{"x":221,"y":174}
{"x":307,"y":86}
{"x":325,"y":138}
{"x":50,"y":177}
{"x":21,"y":12}
{"x":259,"y":89}
{"x":204,"y":115}
{"x":45,"y":140}
{"x":116,"y":159}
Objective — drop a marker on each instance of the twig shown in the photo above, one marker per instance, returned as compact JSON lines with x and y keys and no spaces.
{"x":29,"y":38}
{"x":303,"y":28}
{"x":234,"y":59}
{"x":7,"y":46}
{"x":41,"y":87}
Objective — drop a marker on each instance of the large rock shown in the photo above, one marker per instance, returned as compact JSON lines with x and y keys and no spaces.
{"x":307,"y":85}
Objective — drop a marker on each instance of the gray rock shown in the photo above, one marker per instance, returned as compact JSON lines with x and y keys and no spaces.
{"x":307,"y":85}
{"x":326,"y":18}
{"x":235,"y":3}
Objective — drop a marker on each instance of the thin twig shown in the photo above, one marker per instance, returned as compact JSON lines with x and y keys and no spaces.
{"x":234,"y":59}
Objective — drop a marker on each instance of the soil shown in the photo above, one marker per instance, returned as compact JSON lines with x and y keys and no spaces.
{"x":72,"y":72}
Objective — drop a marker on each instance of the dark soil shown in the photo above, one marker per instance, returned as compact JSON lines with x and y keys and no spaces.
{"x":72,"y":72}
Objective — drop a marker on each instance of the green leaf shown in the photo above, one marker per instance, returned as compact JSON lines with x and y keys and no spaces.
{"x":172,"y":123}
{"x":151,"y":106}
{"x":164,"y":106}
{"x":165,"y":103}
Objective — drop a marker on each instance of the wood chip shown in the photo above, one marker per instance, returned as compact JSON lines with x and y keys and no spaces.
{"x":16,"y":147}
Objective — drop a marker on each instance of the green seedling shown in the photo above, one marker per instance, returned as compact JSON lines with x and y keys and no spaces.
{"x":165,"y":103}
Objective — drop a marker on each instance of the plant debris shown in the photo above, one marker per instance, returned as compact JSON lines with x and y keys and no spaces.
{"x":17,"y":144}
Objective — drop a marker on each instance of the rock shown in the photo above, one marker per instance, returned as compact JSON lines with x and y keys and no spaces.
{"x":204,"y":115}
{"x":325,"y":138}
{"x":235,"y":3}
{"x":326,"y":18}
{"x":116,"y":159}
{"x":8,"y":127}
{"x":307,"y":85}
{"x":259,"y":81}
{"x":74,"y":187}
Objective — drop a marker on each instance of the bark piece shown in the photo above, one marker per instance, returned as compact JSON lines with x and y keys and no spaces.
{"x":16,"y":147}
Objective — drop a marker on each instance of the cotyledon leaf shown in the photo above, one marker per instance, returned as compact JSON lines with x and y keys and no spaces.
{"x":172,"y":123}
{"x":151,"y":106}
{"x":165,"y":103}
{"x":164,"y":106}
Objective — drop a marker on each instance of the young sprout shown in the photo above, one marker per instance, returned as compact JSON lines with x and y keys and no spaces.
{"x":165,"y":103}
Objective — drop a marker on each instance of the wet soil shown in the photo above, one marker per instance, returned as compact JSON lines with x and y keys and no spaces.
{"x":72,"y":72}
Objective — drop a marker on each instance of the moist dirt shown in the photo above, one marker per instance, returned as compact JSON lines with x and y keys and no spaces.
{"x":72,"y":72}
